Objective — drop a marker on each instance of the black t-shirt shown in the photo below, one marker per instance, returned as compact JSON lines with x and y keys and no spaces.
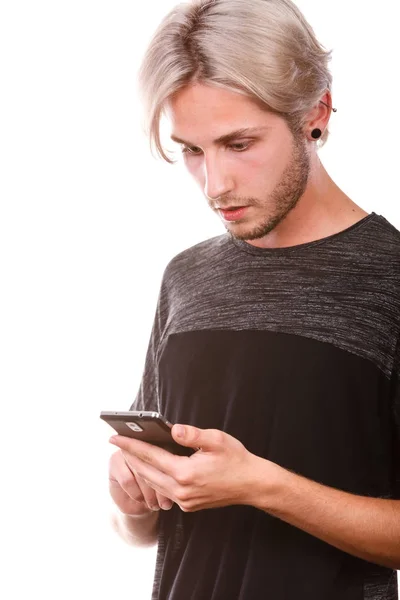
{"x":295,"y":352}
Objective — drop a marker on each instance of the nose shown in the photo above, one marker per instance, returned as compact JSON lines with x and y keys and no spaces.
{"x":217,"y":180}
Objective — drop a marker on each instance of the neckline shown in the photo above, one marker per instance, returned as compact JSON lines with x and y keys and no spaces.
{"x":243,"y":245}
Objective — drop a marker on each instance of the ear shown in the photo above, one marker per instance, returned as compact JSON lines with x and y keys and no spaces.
{"x":319,"y":115}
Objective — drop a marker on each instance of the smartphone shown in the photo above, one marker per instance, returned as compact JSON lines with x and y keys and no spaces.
{"x":150,"y":427}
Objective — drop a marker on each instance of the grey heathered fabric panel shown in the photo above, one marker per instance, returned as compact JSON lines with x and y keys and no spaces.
{"x":343,"y":290}
{"x":381,"y":587}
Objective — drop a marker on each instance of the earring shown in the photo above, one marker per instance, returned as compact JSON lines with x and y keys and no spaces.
{"x":316,"y":133}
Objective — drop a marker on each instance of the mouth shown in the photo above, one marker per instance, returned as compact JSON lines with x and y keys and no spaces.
{"x":233,"y":213}
{"x":229,"y":208}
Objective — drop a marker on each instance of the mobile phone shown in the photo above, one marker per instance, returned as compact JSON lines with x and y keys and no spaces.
{"x":150,"y":427}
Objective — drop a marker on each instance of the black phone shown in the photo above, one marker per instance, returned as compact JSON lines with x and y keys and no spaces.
{"x":150,"y":427}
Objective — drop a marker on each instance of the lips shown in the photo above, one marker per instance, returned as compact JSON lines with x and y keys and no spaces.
{"x":230,"y":208}
{"x":234,"y":214}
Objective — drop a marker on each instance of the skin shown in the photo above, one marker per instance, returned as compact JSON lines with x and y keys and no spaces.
{"x":223,"y":473}
{"x":292,"y":200}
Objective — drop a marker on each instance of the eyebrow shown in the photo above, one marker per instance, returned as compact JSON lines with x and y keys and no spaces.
{"x":228,"y":137}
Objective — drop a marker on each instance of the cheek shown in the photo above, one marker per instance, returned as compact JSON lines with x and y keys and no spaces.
{"x":268,"y":169}
{"x":266,"y":160}
{"x":253,"y":172}
{"x":195,"y":168}
{"x":253,"y":169}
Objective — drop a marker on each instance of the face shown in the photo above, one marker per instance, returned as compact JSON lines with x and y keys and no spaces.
{"x":265,"y":169}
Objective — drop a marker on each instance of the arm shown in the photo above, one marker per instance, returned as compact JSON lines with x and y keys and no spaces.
{"x":224,"y":473}
{"x":136,"y":530}
{"x":366,"y":527}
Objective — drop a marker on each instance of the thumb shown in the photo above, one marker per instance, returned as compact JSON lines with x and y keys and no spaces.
{"x":193,"y":437}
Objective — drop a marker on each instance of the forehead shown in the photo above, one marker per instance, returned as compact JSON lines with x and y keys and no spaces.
{"x":200,"y":108}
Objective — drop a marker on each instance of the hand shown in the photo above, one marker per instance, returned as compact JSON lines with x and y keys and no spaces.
{"x":221,"y":473}
{"x":130,"y":492}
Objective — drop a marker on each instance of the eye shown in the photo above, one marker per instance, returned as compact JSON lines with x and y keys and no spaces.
{"x":190,"y":149}
{"x":240,"y":146}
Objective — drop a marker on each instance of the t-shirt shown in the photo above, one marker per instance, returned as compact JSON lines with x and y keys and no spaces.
{"x":295,"y":352}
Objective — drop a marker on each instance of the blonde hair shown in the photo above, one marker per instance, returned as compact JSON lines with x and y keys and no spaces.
{"x":264,"y":49}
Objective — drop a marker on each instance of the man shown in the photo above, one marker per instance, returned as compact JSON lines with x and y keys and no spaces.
{"x":276,"y":344}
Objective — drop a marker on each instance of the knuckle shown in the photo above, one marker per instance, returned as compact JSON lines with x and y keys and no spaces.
{"x":218,"y":436}
{"x":126,"y":481}
{"x":180,"y":478}
{"x":183,"y":476}
{"x":186,"y":507}
{"x":183,"y":495}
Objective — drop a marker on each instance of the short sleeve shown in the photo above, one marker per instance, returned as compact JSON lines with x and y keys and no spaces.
{"x":147,"y":395}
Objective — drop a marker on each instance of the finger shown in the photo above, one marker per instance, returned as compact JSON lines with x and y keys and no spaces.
{"x":121,"y":496}
{"x":132,"y":481}
{"x":164,"y":502}
{"x":126,"y":480}
{"x":157,"y":480}
{"x":159,"y":458}
{"x":193,"y":437}
{"x":154,"y":500}
{"x":149,"y":495}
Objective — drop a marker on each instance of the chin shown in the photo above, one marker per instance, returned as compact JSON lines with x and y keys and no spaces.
{"x":246,"y":233}
{"x":242,"y":235}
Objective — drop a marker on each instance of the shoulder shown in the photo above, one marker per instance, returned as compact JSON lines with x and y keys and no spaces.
{"x":385,"y":237}
{"x":378,"y":248}
{"x":202,"y":255}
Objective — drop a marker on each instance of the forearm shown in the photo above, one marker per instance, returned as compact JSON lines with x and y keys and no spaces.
{"x":366,"y":527}
{"x":138,"y":530}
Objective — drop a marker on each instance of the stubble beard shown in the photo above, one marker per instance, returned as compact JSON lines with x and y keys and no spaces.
{"x":286,"y":194}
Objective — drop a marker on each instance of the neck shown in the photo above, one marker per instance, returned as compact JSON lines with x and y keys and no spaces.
{"x":323,"y":210}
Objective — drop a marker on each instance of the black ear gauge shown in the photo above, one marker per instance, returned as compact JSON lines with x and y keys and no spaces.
{"x":316,"y":133}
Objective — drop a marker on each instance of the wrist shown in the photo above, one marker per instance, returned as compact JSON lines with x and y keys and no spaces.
{"x":138,"y":530}
{"x":266,"y":484}
{"x":142,"y":513}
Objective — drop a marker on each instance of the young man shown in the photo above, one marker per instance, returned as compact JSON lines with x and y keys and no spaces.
{"x":276,"y":344}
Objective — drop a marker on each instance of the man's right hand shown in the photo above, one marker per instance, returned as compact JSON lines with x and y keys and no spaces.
{"x":130,"y":493}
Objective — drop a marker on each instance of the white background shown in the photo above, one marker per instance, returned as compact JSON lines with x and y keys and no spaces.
{"x":88,"y":222}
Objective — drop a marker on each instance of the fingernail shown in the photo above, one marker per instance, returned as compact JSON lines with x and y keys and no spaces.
{"x":180,"y":431}
{"x":154,"y":507}
{"x":166,"y":506}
